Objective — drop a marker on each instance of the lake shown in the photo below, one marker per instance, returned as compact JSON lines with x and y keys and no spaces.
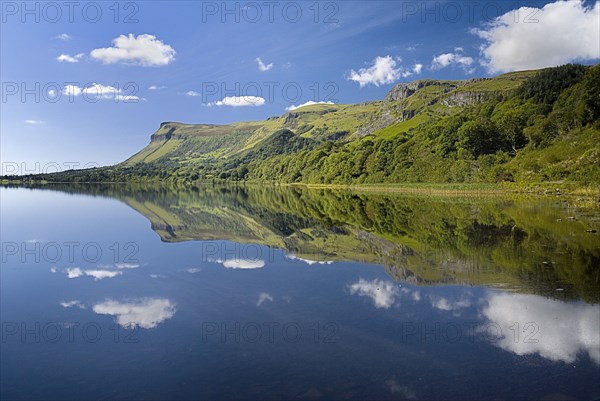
{"x":125,"y":292}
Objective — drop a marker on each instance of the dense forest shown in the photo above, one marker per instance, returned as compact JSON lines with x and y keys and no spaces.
{"x":529,"y":127}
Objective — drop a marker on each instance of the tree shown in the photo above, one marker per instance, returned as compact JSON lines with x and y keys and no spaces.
{"x":511,"y":124}
{"x":479,"y":137}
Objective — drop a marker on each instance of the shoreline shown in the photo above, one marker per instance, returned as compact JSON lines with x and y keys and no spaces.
{"x":438,"y":189}
{"x":483,"y":189}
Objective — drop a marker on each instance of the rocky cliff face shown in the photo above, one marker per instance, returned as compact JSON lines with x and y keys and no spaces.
{"x":467,"y":98}
{"x":385,"y":120}
{"x":455,"y":98}
{"x":164,"y":133}
{"x":402,"y":91}
{"x":291,"y":120}
{"x":174,"y":130}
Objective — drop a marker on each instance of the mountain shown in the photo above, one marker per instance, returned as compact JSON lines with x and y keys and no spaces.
{"x":525,"y":127}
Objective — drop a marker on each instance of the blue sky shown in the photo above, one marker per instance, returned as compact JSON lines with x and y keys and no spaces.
{"x":104,"y":83}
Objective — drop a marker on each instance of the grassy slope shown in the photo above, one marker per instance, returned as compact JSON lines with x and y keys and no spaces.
{"x":401,"y":139}
{"x":577,"y":155}
{"x":317,"y":121}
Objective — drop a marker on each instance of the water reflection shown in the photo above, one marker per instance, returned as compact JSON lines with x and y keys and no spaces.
{"x":524,"y":245}
{"x":146,"y":313}
{"x":375,"y":285}
{"x":73,"y":303}
{"x":557,"y":331}
{"x":444,"y":304}
{"x":264,"y":296}
{"x":242,"y":263}
{"x":309,"y":261}
{"x":382,"y":293}
{"x":100,"y":272}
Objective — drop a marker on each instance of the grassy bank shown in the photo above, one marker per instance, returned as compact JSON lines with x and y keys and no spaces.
{"x":543,"y":188}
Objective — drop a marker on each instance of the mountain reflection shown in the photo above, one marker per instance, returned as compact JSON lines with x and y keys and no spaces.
{"x":370,"y":296}
{"x":535,"y":246}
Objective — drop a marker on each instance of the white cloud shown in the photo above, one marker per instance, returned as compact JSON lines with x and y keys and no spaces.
{"x":192,"y":93}
{"x":102,"y":274}
{"x":309,"y":103}
{"x":559,"y":331}
{"x":71,"y":304}
{"x":239,"y":101}
{"x":146,"y":313}
{"x":98,"y":91}
{"x":72,"y":90}
{"x":193,"y":270}
{"x":262,"y":66}
{"x":383,"y":293}
{"x":144,"y":50}
{"x":453,"y":59}
{"x":264,"y":296}
{"x":70,"y":59}
{"x":53,"y":269}
{"x":531,"y":38}
{"x":156,"y":87}
{"x":106,"y":92}
{"x":63,"y":36}
{"x":416,"y":69}
{"x":33,"y":122}
{"x":385,"y":70}
{"x":242,"y":263}
{"x":74,"y":272}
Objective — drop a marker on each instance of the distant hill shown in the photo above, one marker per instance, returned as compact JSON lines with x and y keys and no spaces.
{"x":527,"y":127}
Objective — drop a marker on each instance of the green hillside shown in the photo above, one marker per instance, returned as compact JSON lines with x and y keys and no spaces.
{"x":524,"y":127}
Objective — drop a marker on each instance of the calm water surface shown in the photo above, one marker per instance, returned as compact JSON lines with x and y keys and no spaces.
{"x":258,"y":293}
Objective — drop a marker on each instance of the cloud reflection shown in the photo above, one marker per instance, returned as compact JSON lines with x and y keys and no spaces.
{"x":71,"y":304}
{"x":565,"y":329}
{"x":242,"y":263}
{"x":102,"y":274}
{"x":309,"y":261}
{"x":264,"y":296}
{"x":146,"y":313}
{"x":445,"y":304}
{"x":382,"y":293}
{"x":97,"y":274}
